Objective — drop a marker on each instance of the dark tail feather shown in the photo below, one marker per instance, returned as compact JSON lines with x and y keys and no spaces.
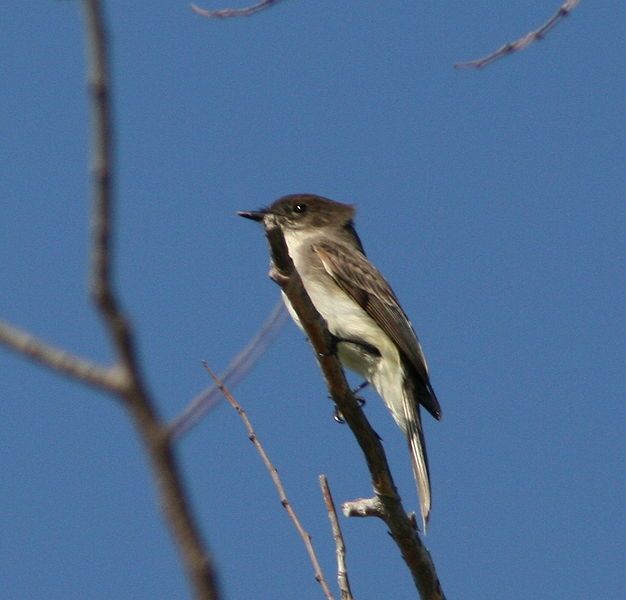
{"x":424,"y":393}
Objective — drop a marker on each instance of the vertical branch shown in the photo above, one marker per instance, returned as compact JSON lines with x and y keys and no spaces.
{"x":154,"y":433}
{"x":102,"y":163}
{"x":340,"y":545}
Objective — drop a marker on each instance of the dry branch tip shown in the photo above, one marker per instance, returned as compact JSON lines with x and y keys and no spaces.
{"x":227,"y":13}
{"x":523,"y":42}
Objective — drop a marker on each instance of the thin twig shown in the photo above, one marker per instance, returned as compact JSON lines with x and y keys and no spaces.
{"x":564,"y":10}
{"x":401,"y":526}
{"x":56,"y":359}
{"x":226,"y":13}
{"x":340,"y":545}
{"x":273,"y":471}
{"x":153,"y":431}
{"x":234,"y":373}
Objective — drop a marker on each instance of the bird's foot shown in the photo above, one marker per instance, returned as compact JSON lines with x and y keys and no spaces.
{"x":338,"y":417}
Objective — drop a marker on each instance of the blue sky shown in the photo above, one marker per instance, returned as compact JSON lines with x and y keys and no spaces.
{"x":493,"y":201}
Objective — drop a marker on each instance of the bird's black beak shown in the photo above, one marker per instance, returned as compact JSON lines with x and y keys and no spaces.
{"x":254,"y":215}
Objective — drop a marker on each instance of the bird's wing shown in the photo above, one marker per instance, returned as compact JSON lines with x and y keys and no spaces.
{"x":361,"y":280}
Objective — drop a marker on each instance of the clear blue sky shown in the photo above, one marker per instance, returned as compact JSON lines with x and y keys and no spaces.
{"x":494,"y":203}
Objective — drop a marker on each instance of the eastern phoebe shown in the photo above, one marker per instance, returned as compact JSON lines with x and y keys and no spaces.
{"x":374,"y":336}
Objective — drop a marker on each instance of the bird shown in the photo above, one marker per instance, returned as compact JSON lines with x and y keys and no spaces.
{"x":373,"y":335}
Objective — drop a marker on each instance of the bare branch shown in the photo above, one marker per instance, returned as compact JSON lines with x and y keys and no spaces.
{"x":402,"y":528}
{"x":102,"y":195}
{"x":226,"y":13}
{"x":564,"y":10}
{"x":342,"y":569}
{"x":278,"y":484}
{"x":56,"y":359}
{"x":236,"y":370}
{"x":153,"y":432}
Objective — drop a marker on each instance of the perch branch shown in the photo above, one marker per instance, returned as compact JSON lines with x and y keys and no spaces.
{"x":402,"y":528}
{"x":278,"y":484}
{"x":520,"y":44}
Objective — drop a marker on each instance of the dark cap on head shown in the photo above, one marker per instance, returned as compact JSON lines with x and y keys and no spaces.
{"x":297,"y":210}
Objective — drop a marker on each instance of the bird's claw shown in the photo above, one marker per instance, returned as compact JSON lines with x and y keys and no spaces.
{"x":338,"y":417}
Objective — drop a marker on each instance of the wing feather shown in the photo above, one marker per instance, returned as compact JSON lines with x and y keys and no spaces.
{"x":363,"y":282}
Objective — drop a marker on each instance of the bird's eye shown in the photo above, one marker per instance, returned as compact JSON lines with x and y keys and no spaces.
{"x":299,"y":208}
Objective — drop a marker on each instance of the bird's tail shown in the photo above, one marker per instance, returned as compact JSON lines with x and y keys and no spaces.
{"x":417,"y":447}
